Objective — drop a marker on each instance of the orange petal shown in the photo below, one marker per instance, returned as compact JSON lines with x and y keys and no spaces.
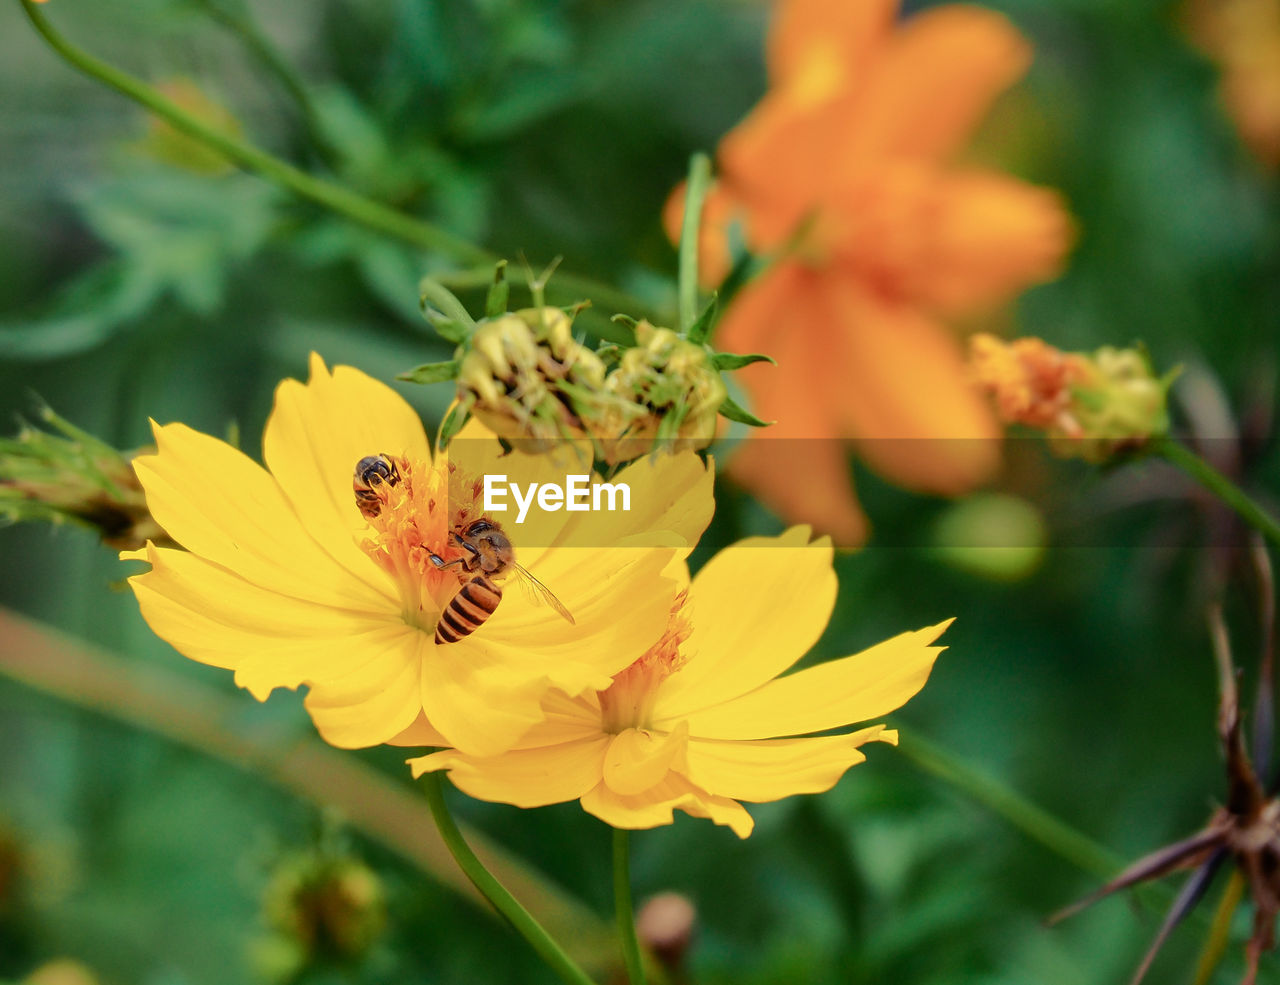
{"x":992,"y":236}
{"x":933,"y":82}
{"x":907,"y":400}
{"x":797,"y":466}
{"x":805,"y":33}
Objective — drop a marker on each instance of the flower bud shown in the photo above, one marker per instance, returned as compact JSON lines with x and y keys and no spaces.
{"x":665,"y":925}
{"x":1090,"y":406}
{"x":519,"y":372}
{"x":321,"y":908}
{"x":667,"y":394}
{"x":77,"y":478}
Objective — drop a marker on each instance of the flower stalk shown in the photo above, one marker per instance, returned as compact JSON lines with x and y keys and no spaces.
{"x":623,"y":907}
{"x":699,"y":181}
{"x":1184,"y":458}
{"x":492,"y":890}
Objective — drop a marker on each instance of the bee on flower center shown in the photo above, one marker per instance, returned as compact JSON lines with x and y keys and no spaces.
{"x":373,"y":471}
{"x":487,"y":554}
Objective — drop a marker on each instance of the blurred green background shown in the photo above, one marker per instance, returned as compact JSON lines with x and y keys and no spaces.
{"x":134,"y":283}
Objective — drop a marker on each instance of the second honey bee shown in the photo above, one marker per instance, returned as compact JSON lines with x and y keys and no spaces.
{"x":373,"y":471}
{"x":487,"y":555}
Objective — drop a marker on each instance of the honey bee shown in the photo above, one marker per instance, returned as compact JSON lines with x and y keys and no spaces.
{"x":371,"y":471}
{"x":488,"y":554}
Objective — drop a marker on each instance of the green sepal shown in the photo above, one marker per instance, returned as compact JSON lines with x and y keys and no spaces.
{"x":453,"y":422}
{"x":700,"y":330}
{"x":432,"y":372}
{"x":449,"y":330}
{"x":734,"y":412}
{"x":495,"y":304}
{"x":729,"y":360}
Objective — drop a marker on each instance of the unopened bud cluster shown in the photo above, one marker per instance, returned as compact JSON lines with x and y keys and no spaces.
{"x":74,"y":477}
{"x":323,"y":908}
{"x":1090,"y":405}
{"x":527,"y":378}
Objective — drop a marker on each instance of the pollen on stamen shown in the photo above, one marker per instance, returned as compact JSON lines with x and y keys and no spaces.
{"x":413,"y":522}
{"x":629,"y":699}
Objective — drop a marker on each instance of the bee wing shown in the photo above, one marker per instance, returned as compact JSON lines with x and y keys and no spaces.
{"x":538,"y":593}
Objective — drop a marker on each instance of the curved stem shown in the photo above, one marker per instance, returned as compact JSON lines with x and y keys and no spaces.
{"x":243,"y":27}
{"x":694,"y":195}
{"x":1184,"y":458}
{"x":622,"y":904}
{"x":495,"y":892}
{"x":336,"y":198}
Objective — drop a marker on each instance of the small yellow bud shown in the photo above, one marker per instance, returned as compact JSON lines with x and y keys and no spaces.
{"x":1090,"y":406}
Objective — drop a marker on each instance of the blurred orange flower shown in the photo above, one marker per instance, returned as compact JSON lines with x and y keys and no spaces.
{"x":1243,"y":36}
{"x":843,"y":172}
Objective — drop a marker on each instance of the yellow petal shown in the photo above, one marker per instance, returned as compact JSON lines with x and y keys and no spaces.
{"x":620,"y":601}
{"x":478,"y":707}
{"x":377,"y":700}
{"x":771,"y":769}
{"x":271,"y":640}
{"x":526,"y":777}
{"x":758,"y":607}
{"x":638,"y":759}
{"x":220,"y":505}
{"x":853,"y":689}
{"x":654,"y":807}
{"x":420,"y":733}
{"x":317,"y":432}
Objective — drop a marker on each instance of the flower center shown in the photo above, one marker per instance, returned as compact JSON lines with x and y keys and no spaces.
{"x":416,"y":512}
{"x":628,"y":701}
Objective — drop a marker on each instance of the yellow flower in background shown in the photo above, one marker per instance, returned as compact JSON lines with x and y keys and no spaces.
{"x":285,"y":581}
{"x":701,"y":720}
{"x":845,"y":171}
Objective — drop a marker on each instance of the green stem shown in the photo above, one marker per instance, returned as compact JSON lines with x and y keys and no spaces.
{"x":495,"y":892}
{"x":1033,"y":821}
{"x":1184,"y":458}
{"x":243,"y":27}
{"x":336,"y":198}
{"x":695,"y":195}
{"x":622,"y":905}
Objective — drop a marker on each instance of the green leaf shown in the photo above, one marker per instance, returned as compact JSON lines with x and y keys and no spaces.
{"x":728,"y":360}
{"x":734,"y":412}
{"x":700,"y":330}
{"x":432,"y":372}
{"x":453,"y":422}
{"x":495,"y":304}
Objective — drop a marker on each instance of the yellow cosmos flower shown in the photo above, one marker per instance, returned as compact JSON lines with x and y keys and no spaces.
{"x":694,"y":723}
{"x":286,"y":582}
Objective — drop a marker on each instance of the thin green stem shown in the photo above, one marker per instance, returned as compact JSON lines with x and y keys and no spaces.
{"x":242,"y":26}
{"x":1033,"y":821}
{"x":336,"y":198}
{"x":695,"y":194}
{"x":622,"y":905}
{"x":495,"y":892}
{"x":1184,"y":458}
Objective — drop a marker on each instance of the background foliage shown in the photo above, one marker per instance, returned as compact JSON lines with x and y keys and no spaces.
{"x":137,"y":280}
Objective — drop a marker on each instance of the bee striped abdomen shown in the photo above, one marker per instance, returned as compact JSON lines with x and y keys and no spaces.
{"x":467,"y":611}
